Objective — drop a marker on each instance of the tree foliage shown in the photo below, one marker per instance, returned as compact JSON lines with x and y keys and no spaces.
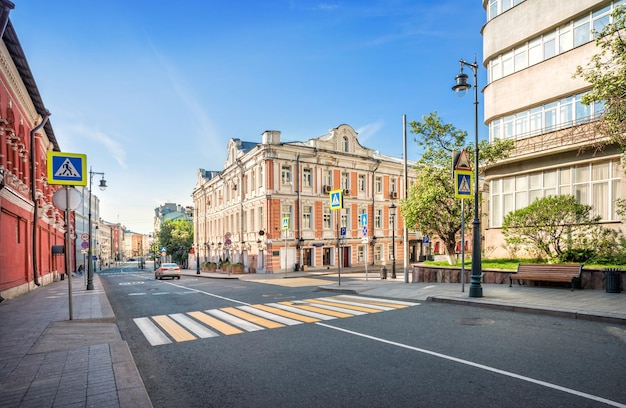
{"x":550,"y":225}
{"x":606,"y":71}
{"x":177,"y":237}
{"x":431,"y":206}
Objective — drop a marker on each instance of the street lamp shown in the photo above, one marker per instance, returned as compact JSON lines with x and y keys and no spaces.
{"x":462,"y":87}
{"x":392,"y":212}
{"x":198,"y":259}
{"x":102,"y":186}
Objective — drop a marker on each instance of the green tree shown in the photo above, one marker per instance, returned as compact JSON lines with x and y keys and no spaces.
{"x":431,"y":206}
{"x":550,"y":225}
{"x":606,"y":72}
{"x":177,"y":237}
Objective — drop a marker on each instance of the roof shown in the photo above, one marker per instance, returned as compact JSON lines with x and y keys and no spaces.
{"x":19,"y":59}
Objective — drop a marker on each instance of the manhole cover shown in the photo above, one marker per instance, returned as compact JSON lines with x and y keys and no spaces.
{"x":475,"y":321}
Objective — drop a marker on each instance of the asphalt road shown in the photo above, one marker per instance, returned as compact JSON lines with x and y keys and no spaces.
{"x":423,"y":355}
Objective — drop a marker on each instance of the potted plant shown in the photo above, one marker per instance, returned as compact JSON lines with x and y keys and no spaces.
{"x":236,"y":267}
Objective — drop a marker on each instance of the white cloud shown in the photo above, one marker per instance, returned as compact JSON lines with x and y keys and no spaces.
{"x":370,"y":130}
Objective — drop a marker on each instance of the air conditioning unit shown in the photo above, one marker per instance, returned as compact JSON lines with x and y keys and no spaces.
{"x":393,"y":195}
{"x":346,"y":192}
{"x":326,"y":189}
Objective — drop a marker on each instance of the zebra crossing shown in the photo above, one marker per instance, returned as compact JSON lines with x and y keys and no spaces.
{"x":180,"y":327}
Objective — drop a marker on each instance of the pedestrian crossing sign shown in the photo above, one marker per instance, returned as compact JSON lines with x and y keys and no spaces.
{"x":336,"y":200}
{"x":463,"y":183}
{"x":285,"y":223}
{"x":67,"y":168}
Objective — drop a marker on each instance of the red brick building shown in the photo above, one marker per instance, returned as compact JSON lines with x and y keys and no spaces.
{"x":29,"y":222}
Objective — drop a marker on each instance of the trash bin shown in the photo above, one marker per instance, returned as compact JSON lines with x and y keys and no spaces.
{"x":612,"y":280}
{"x":383,"y":273}
{"x":296,"y":267}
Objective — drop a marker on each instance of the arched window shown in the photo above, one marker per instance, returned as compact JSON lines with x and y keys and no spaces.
{"x":346,"y":144}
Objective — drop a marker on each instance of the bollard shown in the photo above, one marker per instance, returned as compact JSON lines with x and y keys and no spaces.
{"x":383,"y":272}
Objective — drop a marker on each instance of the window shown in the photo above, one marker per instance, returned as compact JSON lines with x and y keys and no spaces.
{"x":393,"y":184}
{"x":328,"y":179}
{"x":285,"y":212}
{"x":549,"y":46}
{"x":252,"y":180}
{"x":327,"y":218}
{"x":285,"y":174}
{"x":378,"y":253}
{"x":362,"y":182}
{"x":566,"y":39}
{"x":360,"y":253}
{"x":261,"y":177}
{"x":378,"y":218}
{"x":378,"y":184}
{"x":306,"y":216}
{"x":345,"y":181}
{"x":345,"y":217}
{"x":346,"y":144}
{"x":306,"y":177}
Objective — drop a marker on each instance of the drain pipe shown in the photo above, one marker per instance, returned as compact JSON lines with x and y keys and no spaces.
{"x":33,"y":194}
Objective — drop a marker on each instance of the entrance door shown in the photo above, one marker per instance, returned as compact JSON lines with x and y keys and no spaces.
{"x":345,"y":256}
{"x":306,"y":257}
{"x":326,"y":256}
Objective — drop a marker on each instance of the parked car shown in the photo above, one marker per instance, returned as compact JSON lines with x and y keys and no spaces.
{"x":167,"y":270}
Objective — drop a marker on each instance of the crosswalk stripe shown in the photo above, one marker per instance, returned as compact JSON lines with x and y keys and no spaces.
{"x":315,"y":309}
{"x":218,"y":325}
{"x":362,"y":304}
{"x":286,"y":313}
{"x":314,"y":315}
{"x":235,"y":320}
{"x":252,"y":318}
{"x":270,"y":316}
{"x":390,"y":303}
{"x":353,"y":308}
{"x":241,"y":323}
{"x":175,"y":330}
{"x":197,"y":329}
{"x":152,"y":333}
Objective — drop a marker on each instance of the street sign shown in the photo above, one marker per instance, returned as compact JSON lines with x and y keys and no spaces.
{"x":343,"y":231}
{"x":463,"y":184}
{"x":84,"y":245}
{"x":364,"y":231}
{"x":67,"y":168}
{"x":364,"y":220}
{"x":336,"y":200}
{"x":285,"y":223}
{"x":462,"y":162}
{"x":364,"y":240}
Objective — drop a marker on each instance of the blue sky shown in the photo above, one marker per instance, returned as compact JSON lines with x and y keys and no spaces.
{"x":151,"y":91}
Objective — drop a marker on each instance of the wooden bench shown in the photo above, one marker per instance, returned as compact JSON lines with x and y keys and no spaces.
{"x":547,"y":273}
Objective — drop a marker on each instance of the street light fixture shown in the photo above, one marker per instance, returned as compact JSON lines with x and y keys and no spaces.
{"x":462,"y":87}
{"x":102,"y":186}
{"x":392,"y":212}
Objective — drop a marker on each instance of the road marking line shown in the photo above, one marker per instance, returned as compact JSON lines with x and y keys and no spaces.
{"x":152,"y":333}
{"x":480,"y":366}
{"x":336,"y":307}
{"x":244,"y":324}
{"x":360,"y":304}
{"x":314,"y":315}
{"x":344,"y":305}
{"x":286,"y":313}
{"x":317,"y":309}
{"x":197,"y":329}
{"x":253,"y":318}
{"x":379,"y":301}
{"x":175,"y":330}
{"x":270,"y":316}
{"x":218,"y":325}
{"x":209,"y":294}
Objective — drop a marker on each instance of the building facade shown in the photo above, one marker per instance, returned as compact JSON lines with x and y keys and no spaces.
{"x":270,"y":207}
{"x":531,"y":50}
{"x":30,"y":224}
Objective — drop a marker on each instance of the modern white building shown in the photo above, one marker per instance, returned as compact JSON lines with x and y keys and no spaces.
{"x":531,"y":49}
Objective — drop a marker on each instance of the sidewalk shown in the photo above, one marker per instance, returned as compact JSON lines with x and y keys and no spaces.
{"x":51,"y":361}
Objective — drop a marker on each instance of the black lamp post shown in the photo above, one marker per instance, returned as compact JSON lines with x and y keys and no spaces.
{"x":392,"y":212}
{"x":462,"y":86}
{"x":103,"y":186}
{"x":198,"y":259}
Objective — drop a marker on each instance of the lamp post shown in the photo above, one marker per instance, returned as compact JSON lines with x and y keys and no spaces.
{"x":392,"y":212}
{"x":198,"y":259}
{"x":462,"y":86}
{"x":103,"y":186}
